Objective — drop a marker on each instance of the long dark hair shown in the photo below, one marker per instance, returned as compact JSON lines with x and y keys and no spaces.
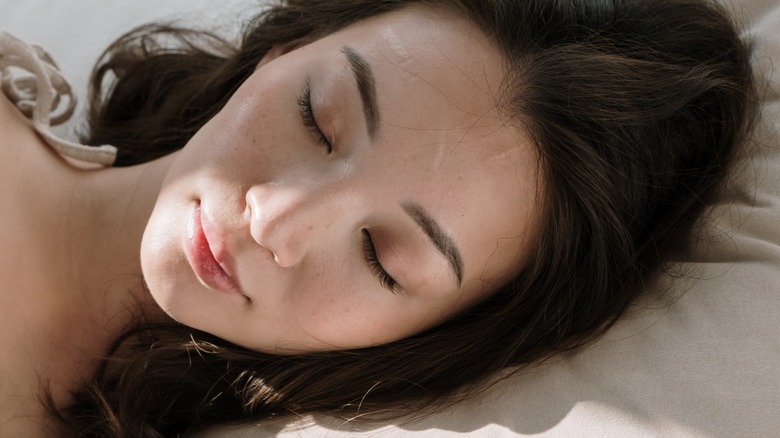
{"x":636,"y":107}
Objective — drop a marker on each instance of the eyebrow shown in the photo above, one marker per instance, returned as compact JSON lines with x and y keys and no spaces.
{"x":443,"y":242}
{"x":366,"y":84}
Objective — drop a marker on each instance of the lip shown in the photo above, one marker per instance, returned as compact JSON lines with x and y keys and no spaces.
{"x":202,"y":259}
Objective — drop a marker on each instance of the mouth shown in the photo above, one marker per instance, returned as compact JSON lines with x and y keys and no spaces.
{"x":202,"y":259}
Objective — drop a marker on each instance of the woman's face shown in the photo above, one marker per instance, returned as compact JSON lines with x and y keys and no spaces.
{"x":353,"y":191}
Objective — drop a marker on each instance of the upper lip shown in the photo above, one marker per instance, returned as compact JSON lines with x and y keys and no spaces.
{"x":218,"y":247}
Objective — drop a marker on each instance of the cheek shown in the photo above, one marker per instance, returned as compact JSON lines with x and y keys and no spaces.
{"x":164,"y":265}
{"x":327,"y":306}
{"x":156,"y":242}
{"x":158,"y":262}
{"x":339,"y":312}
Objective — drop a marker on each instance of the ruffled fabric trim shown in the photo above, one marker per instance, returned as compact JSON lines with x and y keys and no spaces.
{"x":46,"y":98}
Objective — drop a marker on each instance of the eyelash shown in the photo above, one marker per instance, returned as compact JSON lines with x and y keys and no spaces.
{"x":307,"y":116}
{"x":369,"y":252}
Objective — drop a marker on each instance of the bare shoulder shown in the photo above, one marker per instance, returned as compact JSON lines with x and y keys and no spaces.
{"x":24,"y":157}
{"x":33,"y":308}
{"x":17,"y":134}
{"x":11,"y":126}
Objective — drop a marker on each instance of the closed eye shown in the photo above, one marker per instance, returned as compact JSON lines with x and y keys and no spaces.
{"x":369,"y":252}
{"x":310,"y":121}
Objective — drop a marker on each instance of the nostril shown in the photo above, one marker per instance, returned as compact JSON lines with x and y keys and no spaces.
{"x":283,"y":261}
{"x":247,"y":216}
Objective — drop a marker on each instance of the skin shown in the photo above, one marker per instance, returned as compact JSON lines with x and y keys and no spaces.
{"x":287,"y":214}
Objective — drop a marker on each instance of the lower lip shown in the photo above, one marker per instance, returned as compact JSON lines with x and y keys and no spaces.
{"x":202,"y":260}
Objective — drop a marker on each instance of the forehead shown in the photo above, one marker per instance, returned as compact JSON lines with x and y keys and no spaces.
{"x":431,"y":51}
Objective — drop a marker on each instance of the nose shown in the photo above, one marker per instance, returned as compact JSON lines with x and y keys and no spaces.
{"x":288,"y":221}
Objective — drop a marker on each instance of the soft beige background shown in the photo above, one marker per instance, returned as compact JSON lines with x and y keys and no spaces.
{"x":706,"y":365}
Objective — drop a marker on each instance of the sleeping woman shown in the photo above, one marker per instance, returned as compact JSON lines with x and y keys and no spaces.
{"x":365,"y":205}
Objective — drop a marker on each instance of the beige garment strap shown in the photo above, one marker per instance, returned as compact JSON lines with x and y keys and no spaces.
{"x":41,"y":97}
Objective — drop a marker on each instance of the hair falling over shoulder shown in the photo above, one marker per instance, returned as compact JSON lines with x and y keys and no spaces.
{"x":637,"y":108}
